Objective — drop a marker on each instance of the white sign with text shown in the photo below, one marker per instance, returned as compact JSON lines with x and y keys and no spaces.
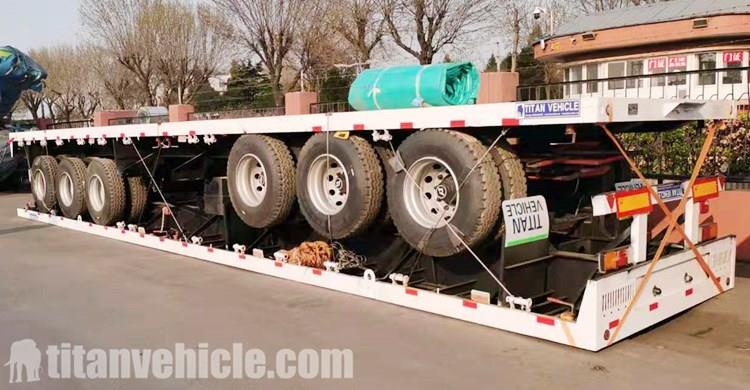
{"x":526,"y":220}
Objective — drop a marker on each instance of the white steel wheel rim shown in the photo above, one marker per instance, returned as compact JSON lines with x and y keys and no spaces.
{"x":66,"y":189}
{"x":431,"y":192}
{"x":252,"y":180}
{"x":39,"y":184}
{"x":328,"y":184}
{"x":96,"y":192}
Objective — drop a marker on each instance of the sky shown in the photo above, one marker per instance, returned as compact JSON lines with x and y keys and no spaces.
{"x":33,"y":23}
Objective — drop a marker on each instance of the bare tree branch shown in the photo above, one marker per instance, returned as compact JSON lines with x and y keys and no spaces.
{"x":433,"y":24}
{"x":268,"y":29}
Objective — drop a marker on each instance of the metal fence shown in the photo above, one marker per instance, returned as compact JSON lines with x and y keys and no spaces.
{"x":235,"y":114}
{"x":71,"y":124}
{"x":139,"y":120}
{"x":324,"y":108}
{"x":713,"y":84}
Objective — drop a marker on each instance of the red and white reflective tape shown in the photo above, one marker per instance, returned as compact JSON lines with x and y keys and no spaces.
{"x":544,"y":320}
{"x":510,"y":122}
{"x":469,"y":303}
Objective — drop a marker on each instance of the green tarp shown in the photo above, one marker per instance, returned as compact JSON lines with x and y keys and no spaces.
{"x":415,"y":86}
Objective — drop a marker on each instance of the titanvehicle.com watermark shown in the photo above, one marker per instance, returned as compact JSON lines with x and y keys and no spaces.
{"x":65,"y":360}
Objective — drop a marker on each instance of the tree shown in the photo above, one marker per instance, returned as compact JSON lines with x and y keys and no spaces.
{"x":268,"y":29}
{"x":492,"y":65}
{"x":190,"y":48}
{"x":318,"y":48}
{"x":362,"y":26}
{"x":593,"y":6}
{"x":335,"y":86}
{"x":530,"y":71}
{"x":119,"y":90}
{"x":33,"y":103}
{"x":433,"y":24}
{"x":516,"y":17}
{"x":72,"y":89}
{"x":250,"y":83}
{"x":169,"y":47}
{"x":248,"y":86}
{"x":124,"y":30}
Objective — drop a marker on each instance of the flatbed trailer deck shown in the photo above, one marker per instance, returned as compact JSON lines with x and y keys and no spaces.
{"x":588,"y":111}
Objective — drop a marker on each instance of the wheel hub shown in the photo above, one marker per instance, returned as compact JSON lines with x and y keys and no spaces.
{"x":66,"y":189}
{"x":251,"y":180}
{"x":430,"y":192}
{"x":327,"y":184}
{"x":96,"y":193}
{"x":39,"y":184}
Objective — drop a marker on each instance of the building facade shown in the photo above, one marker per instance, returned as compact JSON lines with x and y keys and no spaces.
{"x":684,"y":49}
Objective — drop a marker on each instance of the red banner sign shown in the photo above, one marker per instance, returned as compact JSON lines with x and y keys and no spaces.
{"x":657,"y":63}
{"x":678,"y":62}
{"x":662,"y":63}
{"x":733,"y":57}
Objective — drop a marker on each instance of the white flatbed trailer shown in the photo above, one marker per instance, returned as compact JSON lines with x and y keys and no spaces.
{"x":590,"y":110}
{"x":676,"y":283}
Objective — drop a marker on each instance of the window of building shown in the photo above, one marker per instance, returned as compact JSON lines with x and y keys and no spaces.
{"x":616,"y":69}
{"x":635,"y":68}
{"x":575,"y":73}
{"x":707,"y":61}
{"x":592,"y":73}
{"x":733,"y":59}
{"x":657,"y":66}
{"x":677,"y":64}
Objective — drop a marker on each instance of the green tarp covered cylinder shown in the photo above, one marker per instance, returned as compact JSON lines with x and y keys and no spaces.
{"x":415,"y":86}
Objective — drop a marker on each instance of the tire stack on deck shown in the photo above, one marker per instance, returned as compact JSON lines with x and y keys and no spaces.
{"x":96,"y":189}
{"x":443,"y":190}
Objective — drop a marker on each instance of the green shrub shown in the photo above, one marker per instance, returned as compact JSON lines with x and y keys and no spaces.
{"x":676,"y":152}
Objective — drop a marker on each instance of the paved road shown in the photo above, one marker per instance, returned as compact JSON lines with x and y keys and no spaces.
{"x":60,"y":286}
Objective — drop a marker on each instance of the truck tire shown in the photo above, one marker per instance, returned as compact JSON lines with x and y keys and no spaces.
{"x":339,"y":185}
{"x":512,"y":173}
{"x":105,"y":191}
{"x":431,"y":214}
{"x":513,"y":178}
{"x":71,"y":187}
{"x":137,"y":198}
{"x":44,"y":172}
{"x":260,"y":177}
{"x":386,"y":155}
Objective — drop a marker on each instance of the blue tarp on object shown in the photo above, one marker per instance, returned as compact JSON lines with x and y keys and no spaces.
{"x":18,"y":72}
{"x":415,"y":86}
